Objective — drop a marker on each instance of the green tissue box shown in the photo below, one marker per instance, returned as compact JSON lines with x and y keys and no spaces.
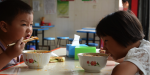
{"x":82,"y":49}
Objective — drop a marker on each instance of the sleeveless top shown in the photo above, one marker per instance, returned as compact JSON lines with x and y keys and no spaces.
{"x":140,"y":57}
{"x":12,"y":62}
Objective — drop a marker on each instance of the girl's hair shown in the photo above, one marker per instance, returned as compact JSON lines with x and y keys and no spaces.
{"x":122,"y":26}
{"x":9,"y":9}
{"x":124,"y":1}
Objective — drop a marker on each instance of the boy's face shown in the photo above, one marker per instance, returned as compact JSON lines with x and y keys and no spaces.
{"x":112,"y":47}
{"x":21,"y":26}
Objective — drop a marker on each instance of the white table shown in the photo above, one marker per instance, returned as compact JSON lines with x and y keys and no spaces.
{"x":69,"y":67}
{"x":89,"y":28}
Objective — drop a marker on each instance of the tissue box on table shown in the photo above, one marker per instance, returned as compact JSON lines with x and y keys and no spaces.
{"x":82,"y":49}
{"x":71,"y":49}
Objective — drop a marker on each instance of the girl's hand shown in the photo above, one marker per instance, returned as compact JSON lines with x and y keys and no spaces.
{"x":101,"y":50}
{"x":16,"y":50}
{"x":109,"y":57}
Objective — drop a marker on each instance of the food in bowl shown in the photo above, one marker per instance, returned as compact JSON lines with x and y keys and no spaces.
{"x":37,"y":59}
{"x":92,"y":62}
{"x":39,"y":51}
{"x":94,"y":55}
{"x":56,"y":59}
{"x":103,"y":51}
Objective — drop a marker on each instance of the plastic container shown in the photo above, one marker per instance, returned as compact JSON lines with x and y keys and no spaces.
{"x":84,"y":49}
{"x":71,"y":50}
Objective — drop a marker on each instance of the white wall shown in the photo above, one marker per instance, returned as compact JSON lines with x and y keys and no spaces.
{"x":80,"y":15}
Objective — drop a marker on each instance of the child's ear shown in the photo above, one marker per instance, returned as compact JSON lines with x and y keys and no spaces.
{"x":3,"y":26}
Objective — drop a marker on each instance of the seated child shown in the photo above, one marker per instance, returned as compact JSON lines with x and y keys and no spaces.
{"x":16,"y":19}
{"x":125,"y":5}
{"x":123,"y":35}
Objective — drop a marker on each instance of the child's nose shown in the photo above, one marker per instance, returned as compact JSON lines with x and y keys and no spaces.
{"x":29,"y":29}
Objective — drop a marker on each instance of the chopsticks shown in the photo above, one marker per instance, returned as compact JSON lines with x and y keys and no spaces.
{"x":26,"y":40}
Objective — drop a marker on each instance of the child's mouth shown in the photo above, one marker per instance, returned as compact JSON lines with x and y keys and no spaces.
{"x":27,"y":37}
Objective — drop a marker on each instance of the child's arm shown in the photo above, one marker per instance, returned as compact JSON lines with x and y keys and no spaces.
{"x":125,"y":68}
{"x":5,"y":59}
{"x":10,"y":53}
{"x":20,"y":58}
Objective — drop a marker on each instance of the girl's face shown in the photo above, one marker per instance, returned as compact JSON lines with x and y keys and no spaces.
{"x":21,"y":26}
{"x":112,"y":47}
{"x":125,"y":4}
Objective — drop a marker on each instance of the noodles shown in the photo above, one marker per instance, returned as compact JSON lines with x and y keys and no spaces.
{"x":39,"y":52}
{"x":91,"y":55}
{"x":95,"y":55}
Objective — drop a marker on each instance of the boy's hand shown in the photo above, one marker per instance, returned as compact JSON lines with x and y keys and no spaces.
{"x":16,"y":50}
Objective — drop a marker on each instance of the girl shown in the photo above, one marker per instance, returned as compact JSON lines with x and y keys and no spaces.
{"x":125,"y":5}
{"x":123,"y":38}
{"x":16,"y":19}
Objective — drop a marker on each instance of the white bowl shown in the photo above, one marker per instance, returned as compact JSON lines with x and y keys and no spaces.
{"x":36,"y":60}
{"x":92,"y":63}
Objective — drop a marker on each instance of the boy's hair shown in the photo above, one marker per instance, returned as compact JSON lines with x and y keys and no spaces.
{"x":9,"y":9}
{"x":122,"y":26}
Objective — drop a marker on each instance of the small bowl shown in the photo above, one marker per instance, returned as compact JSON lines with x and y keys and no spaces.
{"x":36,"y":60}
{"x":92,"y":63}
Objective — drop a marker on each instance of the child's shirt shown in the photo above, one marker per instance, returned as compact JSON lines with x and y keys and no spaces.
{"x":140,"y":57}
{"x":12,"y":62}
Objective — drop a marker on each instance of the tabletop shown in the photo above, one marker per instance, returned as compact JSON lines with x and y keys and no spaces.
{"x":89,"y":28}
{"x":86,"y":31}
{"x":69,"y":67}
{"x":43,"y":26}
{"x":40,"y":29}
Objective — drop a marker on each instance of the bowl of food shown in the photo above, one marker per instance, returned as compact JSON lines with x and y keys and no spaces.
{"x":92,"y":62}
{"x":36,"y":58}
